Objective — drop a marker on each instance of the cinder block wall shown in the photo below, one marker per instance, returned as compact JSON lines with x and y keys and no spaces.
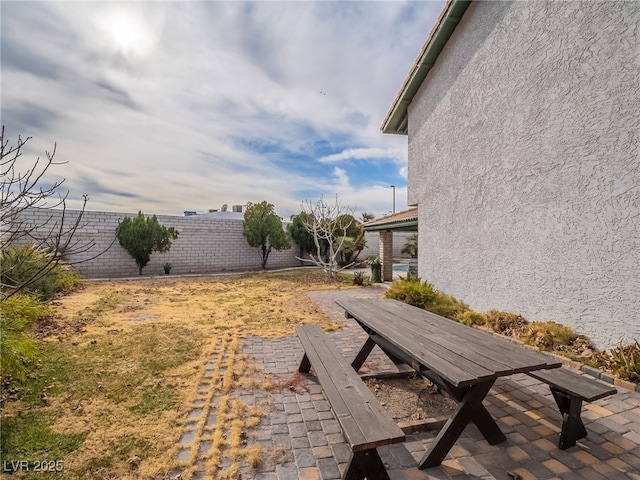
{"x":205,"y":245}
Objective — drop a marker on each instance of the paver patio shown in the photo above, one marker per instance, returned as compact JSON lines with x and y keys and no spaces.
{"x":303,"y":424}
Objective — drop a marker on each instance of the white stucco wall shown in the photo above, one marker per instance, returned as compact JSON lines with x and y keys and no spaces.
{"x":524,"y":159}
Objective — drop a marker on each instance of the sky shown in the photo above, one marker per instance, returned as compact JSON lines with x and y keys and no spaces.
{"x":171,"y":106}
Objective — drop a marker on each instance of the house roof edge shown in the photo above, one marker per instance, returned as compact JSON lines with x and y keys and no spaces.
{"x":396,"y":120}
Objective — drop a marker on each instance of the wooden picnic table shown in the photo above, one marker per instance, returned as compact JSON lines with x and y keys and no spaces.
{"x":462,"y":361}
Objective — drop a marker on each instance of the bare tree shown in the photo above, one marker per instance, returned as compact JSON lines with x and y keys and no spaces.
{"x":24,"y":186}
{"x":327,"y":222}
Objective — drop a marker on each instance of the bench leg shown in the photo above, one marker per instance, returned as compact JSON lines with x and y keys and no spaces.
{"x":366,"y":464}
{"x":572,"y":427}
{"x":470,"y":408}
{"x":305,"y":364}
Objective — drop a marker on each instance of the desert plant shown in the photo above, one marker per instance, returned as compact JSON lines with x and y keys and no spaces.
{"x":141,"y":236}
{"x":358,"y":278}
{"x":547,"y":335}
{"x":376,"y":268}
{"x":32,"y":268}
{"x":505,"y":323}
{"x":167,"y":268}
{"x":411,"y":246}
{"x":17,"y":313}
{"x":626,"y":363}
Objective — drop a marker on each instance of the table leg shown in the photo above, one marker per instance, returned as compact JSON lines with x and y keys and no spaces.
{"x":469,"y":406}
{"x":481,"y":417}
{"x":363,"y":354}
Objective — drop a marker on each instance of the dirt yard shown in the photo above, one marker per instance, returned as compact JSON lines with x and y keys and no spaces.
{"x":119,"y":362}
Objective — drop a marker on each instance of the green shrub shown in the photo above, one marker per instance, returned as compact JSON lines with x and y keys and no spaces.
{"x":470,"y":318}
{"x":422,"y":295}
{"x":33,"y":266}
{"x":547,"y":335}
{"x":412,"y":291}
{"x":447,"y":306}
{"x":17,"y":313}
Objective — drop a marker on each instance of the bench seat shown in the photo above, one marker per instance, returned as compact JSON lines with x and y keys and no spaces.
{"x":364,"y":422}
{"x":569,"y":390}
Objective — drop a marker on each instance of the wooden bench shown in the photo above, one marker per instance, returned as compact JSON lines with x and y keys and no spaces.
{"x":364,"y":422}
{"x":570,"y":389}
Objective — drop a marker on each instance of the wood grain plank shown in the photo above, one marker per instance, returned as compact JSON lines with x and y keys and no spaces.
{"x":445,"y":362}
{"x":460,"y":345}
{"x":585,"y":388}
{"x":365,"y":423}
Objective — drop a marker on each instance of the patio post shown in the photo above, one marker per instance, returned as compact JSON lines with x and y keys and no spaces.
{"x":386,"y":254}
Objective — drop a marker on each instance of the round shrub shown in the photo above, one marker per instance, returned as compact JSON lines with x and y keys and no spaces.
{"x":412,"y":291}
{"x":36,"y":267}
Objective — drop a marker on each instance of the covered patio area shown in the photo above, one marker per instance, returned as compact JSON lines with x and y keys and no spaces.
{"x":404,"y":221}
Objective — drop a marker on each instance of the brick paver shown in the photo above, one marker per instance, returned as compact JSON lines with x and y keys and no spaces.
{"x":302,"y":439}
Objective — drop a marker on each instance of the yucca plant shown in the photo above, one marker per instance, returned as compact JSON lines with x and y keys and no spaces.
{"x":627,"y":361}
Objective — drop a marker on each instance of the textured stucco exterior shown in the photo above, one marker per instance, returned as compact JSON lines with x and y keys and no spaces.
{"x":524,"y":161}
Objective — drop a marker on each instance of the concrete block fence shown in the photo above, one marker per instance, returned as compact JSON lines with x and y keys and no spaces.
{"x":205,"y":245}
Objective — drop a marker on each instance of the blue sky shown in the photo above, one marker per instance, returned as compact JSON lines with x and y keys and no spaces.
{"x":172,"y":106}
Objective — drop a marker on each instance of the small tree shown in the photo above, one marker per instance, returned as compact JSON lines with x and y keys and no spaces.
{"x":411,"y":246}
{"x":141,"y":236}
{"x":302,"y":236}
{"x":354,"y":241}
{"x":367,"y":217}
{"x":328,"y":223}
{"x":263,"y":230}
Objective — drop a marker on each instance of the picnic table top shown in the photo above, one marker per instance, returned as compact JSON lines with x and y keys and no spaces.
{"x":456,"y":353}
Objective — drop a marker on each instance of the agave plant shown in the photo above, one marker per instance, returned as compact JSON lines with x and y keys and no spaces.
{"x":627,"y":361}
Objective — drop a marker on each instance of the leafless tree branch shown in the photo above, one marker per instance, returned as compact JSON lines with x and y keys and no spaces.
{"x":21,"y":189}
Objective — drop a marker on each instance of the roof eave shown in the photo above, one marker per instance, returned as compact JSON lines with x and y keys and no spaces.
{"x":397,"y":119}
{"x":407,"y":226}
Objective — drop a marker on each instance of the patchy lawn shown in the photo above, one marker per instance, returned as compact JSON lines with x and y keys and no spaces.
{"x":120,"y":365}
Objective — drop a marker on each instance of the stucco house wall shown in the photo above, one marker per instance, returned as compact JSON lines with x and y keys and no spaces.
{"x":524,"y":161}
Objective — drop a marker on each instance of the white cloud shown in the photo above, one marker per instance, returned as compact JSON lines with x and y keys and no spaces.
{"x":363,"y":154}
{"x":189,"y":105}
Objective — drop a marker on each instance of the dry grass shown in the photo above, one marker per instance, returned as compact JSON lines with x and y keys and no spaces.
{"x":125,"y":382}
